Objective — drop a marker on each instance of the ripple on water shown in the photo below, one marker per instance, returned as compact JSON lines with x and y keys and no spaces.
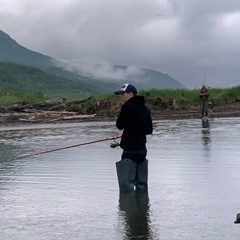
{"x":73,"y":194}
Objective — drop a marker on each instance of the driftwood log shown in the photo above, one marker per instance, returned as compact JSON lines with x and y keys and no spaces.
{"x":52,"y":105}
{"x":45,"y":112}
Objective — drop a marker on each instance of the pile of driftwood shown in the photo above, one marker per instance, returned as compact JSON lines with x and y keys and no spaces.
{"x":45,"y":112}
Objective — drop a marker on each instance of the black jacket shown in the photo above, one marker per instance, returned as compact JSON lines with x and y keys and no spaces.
{"x":136,"y":122}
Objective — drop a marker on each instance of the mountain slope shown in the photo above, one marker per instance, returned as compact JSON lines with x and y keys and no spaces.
{"x":11,"y":51}
{"x":141,"y":77}
{"x":25,"y":78}
{"x":153,"y":79}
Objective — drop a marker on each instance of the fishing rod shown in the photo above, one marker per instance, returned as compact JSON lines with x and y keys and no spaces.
{"x":77,"y":145}
{"x":205,"y":75}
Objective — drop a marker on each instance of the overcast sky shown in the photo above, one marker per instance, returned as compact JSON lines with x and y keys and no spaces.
{"x":183,"y":38}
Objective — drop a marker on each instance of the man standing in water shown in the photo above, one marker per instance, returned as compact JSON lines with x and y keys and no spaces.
{"x":136,"y":122}
{"x":204,"y":101}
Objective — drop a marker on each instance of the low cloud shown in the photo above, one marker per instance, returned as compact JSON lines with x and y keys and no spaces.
{"x":103,"y":70}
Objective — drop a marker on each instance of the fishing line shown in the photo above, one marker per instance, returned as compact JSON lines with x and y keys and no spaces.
{"x":77,"y":145}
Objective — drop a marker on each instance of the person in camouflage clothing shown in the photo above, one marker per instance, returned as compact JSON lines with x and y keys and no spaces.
{"x":204,"y":101}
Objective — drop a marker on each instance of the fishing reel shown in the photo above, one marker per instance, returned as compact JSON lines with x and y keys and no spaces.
{"x":115,"y":144}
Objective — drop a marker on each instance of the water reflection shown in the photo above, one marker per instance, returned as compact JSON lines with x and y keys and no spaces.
{"x":205,"y":123}
{"x":135,"y":206}
{"x":73,"y":194}
{"x":206,"y":137}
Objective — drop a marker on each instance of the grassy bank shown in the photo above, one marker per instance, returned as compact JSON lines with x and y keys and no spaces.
{"x":9,"y":97}
{"x":185,"y":98}
{"x":162,"y":99}
{"x":182,"y":97}
{"x":156,"y":99}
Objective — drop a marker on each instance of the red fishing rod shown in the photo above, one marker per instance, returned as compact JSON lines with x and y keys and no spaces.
{"x":77,"y":145}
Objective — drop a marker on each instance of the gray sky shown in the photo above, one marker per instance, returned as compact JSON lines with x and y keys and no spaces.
{"x":182,"y":38}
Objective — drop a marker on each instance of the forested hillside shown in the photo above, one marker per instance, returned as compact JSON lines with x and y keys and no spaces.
{"x":61,"y":79}
{"x":25,"y":78}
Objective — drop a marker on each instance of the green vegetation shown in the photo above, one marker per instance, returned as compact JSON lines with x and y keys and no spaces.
{"x":182,"y":98}
{"x":24,"y":78}
{"x":226,"y":95}
{"x":10,"y":97}
{"x":156,"y":99}
{"x":159,"y":99}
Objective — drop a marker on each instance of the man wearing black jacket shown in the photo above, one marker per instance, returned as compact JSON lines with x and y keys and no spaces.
{"x":136,"y":122}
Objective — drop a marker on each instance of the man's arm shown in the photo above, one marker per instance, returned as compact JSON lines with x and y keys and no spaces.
{"x":149,"y":125}
{"x":121,"y":119}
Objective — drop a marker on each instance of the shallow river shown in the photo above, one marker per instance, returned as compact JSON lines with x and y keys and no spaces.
{"x":72,"y":194}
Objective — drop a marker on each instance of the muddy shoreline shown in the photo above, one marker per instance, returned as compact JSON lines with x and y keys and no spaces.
{"x":155,"y":116}
{"x":16,"y":119}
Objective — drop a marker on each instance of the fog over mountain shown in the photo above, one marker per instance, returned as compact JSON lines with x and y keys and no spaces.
{"x":93,"y":75}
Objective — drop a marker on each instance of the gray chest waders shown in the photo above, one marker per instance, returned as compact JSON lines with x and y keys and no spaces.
{"x":132,"y":175}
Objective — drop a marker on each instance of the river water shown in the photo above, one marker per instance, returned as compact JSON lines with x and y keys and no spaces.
{"x":72,"y":194}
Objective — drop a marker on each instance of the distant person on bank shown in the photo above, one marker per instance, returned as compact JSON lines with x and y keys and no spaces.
{"x":136,"y":122}
{"x":204,"y":101}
